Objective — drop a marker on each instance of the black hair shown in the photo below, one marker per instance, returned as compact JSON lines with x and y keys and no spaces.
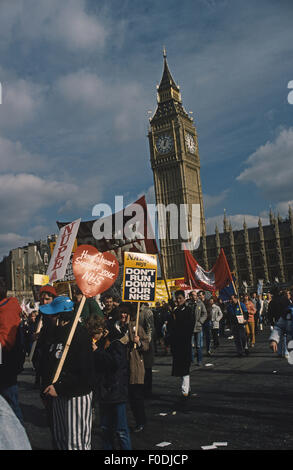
{"x":124,"y":307}
{"x":94,"y":323}
{"x":108,"y":296}
{"x":66,"y":316}
{"x":179,"y":292}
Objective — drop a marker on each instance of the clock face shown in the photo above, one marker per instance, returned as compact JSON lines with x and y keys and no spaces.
{"x":164,"y":143}
{"x":190,"y":144}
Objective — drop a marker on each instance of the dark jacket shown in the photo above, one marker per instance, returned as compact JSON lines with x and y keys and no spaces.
{"x":77,"y":376}
{"x":111,"y":371}
{"x":234,"y":312}
{"x":277,"y":308}
{"x":182,"y":325}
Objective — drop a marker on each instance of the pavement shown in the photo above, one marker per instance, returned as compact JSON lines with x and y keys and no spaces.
{"x":245,"y":402}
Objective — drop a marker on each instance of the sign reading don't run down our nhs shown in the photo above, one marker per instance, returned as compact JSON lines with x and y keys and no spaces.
{"x":139,"y":277}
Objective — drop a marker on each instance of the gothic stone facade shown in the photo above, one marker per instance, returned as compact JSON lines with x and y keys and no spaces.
{"x":263,"y":252}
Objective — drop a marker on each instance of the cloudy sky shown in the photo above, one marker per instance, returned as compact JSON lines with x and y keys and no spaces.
{"x":79,"y":77}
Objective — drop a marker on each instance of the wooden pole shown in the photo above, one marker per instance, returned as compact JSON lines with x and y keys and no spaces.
{"x":70,"y":291}
{"x":137,"y":321}
{"x":163,"y":274}
{"x":40,"y":324}
{"x":69,"y":339}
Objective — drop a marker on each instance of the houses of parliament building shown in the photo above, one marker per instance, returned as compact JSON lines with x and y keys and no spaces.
{"x":262,"y":252}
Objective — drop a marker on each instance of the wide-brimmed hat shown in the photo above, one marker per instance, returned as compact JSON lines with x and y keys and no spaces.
{"x":58,"y":305}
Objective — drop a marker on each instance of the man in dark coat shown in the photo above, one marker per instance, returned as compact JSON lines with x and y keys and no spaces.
{"x":182,"y":325}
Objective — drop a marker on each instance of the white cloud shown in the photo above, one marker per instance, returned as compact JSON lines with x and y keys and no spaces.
{"x":212,"y":201}
{"x":11,"y":240}
{"x":21,"y":101}
{"x":125,"y":101}
{"x":85,"y":89}
{"x":270,"y":167}
{"x":23,"y":195}
{"x":283,"y":207}
{"x":66,"y":23}
{"x":15,"y":158}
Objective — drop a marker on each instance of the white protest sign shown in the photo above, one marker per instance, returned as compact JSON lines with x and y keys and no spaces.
{"x":62,"y":251}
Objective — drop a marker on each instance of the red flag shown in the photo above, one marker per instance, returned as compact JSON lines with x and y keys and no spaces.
{"x":212,"y":280}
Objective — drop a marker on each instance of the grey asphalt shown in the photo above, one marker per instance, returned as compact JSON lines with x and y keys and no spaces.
{"x":246,"y":402}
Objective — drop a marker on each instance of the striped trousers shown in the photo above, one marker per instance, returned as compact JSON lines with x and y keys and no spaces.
{"x":72,"y":422}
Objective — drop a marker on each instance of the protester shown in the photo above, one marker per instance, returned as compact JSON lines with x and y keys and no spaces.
{"x":259,"y":313}
{"x":267,"y":300}
{"x":71,"y":394}
{"x":110,"y":310}
{"x":146,"y":320}
{"x":200,"y":316}
{"x":276,"y":309}
{"x":137,"y":369}
{"x":238,"y":317}
{"x":283,"y":327}
{"x":30,"y":331}
{"x":250,"y":325}
{"x":216,"y":316}
{"x":12,"y":346}
{"x":111,"y":368}
{"x":158,"y":324}
{"x":91,"y":306}
{"x":47,"y":294}
{"x":207,"y":326}
{"x":223,"y":321}
{"x":182,"y":326}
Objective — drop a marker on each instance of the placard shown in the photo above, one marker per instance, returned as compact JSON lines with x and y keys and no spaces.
{"x":139,"y":277}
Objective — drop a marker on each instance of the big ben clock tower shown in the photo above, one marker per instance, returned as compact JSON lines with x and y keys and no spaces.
{"x":176,"y":166}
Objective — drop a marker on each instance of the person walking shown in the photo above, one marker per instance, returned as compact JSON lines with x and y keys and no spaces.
{"x":250,"y":325}
{"x":216,"y":317}
{"x":238,"y":317}
{"x":182,"y":327}
{"x":200,"y":316}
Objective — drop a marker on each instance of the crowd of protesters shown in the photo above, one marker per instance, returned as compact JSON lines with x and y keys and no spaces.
{"x":110,"y":358}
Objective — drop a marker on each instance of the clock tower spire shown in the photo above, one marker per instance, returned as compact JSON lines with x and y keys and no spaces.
{"x":176,"y":165}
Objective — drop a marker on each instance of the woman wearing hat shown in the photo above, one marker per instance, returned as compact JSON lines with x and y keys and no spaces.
{"x":71,"y":394}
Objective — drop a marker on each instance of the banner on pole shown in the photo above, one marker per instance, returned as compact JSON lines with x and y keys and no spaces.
{"x":139,"y":277}
{"x":62,"y":251}
{"x":141,"y":240}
